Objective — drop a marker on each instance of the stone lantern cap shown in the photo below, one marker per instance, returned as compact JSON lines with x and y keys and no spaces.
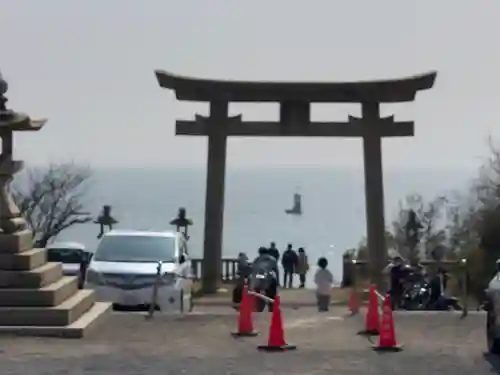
{"x":15,"y":121}
{"x":3,"y":85}
{"x":3,"y":89}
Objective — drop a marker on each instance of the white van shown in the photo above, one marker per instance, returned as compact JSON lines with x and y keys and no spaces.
{"x":123,"y":270}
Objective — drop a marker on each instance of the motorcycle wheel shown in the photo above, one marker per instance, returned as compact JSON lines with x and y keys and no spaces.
{"x":260,"y":304}
{"x":271,"y":294}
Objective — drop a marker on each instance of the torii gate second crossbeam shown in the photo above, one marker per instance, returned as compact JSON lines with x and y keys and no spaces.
{"x":295,"y":100}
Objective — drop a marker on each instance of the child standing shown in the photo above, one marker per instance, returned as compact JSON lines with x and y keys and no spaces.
{"x":324,"y":281}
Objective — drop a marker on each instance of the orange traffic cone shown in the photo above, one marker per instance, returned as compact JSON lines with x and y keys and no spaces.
{"x":387,"y":340}
{"x":245,"y":318}
{"x":372,"y":323}
{"x":353,"y":303}
{"x":276,"y":341}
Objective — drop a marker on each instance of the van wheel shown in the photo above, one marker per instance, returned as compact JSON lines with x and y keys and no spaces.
{"x":260,"y":305}
{"x":181,"y":300}
{"x":190,"y":301}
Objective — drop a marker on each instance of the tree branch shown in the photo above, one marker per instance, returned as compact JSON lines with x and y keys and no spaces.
{"x":52,"y":199}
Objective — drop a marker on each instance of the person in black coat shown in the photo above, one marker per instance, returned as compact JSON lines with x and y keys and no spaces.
{"x":289,"y":261}
{"x":274,"y":251}
{"x":397,"y":275}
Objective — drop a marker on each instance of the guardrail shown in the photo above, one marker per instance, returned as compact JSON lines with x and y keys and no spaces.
{"x":229,"y":269}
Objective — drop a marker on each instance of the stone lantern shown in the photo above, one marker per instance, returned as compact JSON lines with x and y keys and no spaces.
{"x":35,"y":297}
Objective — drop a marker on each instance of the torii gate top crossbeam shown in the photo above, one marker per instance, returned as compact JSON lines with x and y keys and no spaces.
{"x":380,"y":91}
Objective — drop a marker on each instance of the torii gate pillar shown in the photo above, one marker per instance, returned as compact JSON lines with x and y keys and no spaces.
{"x":214,"y":195}
{"x":374,"y":195}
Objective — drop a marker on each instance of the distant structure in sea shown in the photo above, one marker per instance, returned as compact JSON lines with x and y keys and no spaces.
{"x":297,"y":205}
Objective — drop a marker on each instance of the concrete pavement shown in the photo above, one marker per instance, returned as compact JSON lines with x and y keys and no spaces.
{"x":201,"y":343}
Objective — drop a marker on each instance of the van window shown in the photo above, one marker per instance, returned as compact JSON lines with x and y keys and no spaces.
{"x":136,"y":249}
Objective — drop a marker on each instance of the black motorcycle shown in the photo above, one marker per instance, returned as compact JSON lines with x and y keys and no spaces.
{"x":263,"y":282}
{"x":423,"y":295}
{"x":416,"y":296}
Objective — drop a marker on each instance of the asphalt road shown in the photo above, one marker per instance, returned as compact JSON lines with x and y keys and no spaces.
{"x":199,"y":344}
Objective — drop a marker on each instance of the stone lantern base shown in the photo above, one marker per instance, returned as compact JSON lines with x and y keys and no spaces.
{"x":36,"y":299}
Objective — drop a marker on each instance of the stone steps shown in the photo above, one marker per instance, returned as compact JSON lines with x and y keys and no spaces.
{"x":78,"y":329}
{"x":24,"y":261}
{"x":61,"y":315}
{"x":35,"y":278}
{"x":49,"y":295}
{"x":36,"y":299}
{"x":16,"y":243}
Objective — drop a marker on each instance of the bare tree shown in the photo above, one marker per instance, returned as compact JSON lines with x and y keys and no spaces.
{"x":477,"y":225}
{"x":487,"y":193}
{"x":458,"y":225}
{"x":462,"y":223}
{"x":431,"y":217}
{"x":51,"y":199}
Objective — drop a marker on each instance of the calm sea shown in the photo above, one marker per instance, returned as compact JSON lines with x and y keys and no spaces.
{"x":333,"y":204}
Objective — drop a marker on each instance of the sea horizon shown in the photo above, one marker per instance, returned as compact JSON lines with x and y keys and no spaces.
{"x":333,"y":202}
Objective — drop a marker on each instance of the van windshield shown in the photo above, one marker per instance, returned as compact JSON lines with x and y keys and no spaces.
{"x":136,"y":249}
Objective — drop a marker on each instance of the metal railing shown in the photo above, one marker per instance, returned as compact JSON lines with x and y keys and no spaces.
{"x":229,"y":269}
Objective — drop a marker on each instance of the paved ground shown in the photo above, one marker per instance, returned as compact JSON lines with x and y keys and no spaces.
{"x":289,"y":297}
{"x":199,"y":344}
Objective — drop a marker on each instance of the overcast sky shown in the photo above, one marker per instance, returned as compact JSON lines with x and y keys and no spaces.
{"x":88,"y":67}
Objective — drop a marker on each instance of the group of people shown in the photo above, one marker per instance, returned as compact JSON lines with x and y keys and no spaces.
{"x":293,"y":263}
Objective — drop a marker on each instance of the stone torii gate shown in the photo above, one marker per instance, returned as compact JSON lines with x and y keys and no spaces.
{"x":295,"y":100}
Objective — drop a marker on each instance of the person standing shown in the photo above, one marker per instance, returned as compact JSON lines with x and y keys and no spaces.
{"x":289,"y":262}
{"x":274,"y":251}
{"x":302,"y":267}
{"x":396,"y":271}
{"x":243,"y":266}
{"x":244,"y":269}
{"x":324,"y":281}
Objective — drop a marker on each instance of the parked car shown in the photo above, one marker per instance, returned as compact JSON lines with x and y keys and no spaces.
{"x":123,"y":270}
{"x":73,"y":256}
{"x":70,"y":254}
